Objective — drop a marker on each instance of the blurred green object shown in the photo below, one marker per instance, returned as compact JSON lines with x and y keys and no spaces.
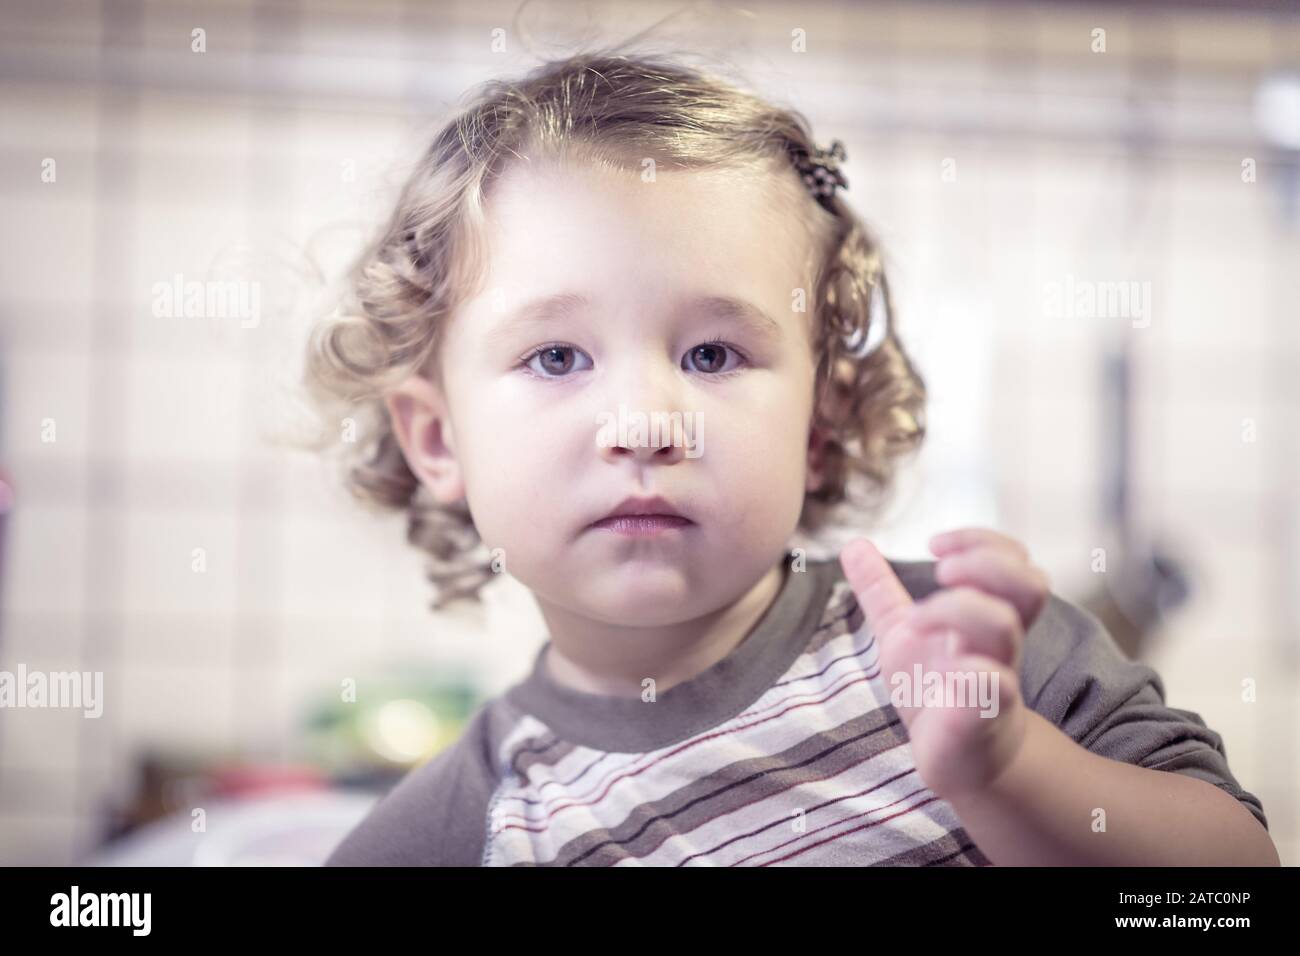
{"x":385,"y":723}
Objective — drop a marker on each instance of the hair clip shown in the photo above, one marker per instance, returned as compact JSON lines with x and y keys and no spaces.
{"x":821,"y":171}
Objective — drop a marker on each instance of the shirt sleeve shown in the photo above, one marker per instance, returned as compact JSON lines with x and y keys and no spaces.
{"x":435,"y":816}
{"x":1074,"y":674}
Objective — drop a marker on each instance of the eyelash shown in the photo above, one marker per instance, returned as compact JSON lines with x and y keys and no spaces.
{"x":525,"y":360}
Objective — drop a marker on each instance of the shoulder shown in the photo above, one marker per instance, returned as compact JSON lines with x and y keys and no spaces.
{"x":437,"y":814}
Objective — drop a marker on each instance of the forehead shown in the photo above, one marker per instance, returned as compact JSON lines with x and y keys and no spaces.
{"x":554,"y":226}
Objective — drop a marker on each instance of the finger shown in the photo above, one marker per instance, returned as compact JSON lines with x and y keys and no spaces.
{"x":1008,"y":678}
{"x":949,"y":542}
{"x":1000,"y":573}
{"x":982,"y":623}
{"x":881,"y":595}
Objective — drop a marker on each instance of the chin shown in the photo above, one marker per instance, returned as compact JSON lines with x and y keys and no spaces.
{"x":637,"y":592}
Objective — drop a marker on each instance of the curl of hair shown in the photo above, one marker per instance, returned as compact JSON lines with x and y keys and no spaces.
{"x":870,"y":409}
{"x":613,"y":109}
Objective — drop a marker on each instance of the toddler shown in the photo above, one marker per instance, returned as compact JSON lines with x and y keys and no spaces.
{"x":623,"y":339}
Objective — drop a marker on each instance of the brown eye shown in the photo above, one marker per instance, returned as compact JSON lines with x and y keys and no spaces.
{"x":553,"y":361}
{"x":711,"y":357}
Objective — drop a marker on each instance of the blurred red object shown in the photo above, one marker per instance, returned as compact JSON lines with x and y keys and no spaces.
{"x":241,"y":780}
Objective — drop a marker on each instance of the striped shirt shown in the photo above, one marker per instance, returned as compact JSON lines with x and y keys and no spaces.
{"x":786,"y":752}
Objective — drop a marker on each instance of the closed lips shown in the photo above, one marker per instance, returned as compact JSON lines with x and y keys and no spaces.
{"x":646,"y":508}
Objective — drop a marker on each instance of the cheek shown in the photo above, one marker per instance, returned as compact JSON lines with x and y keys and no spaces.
{"x":759,"y":456}
{"x":767,"y":456}
{"x":513,"y":467}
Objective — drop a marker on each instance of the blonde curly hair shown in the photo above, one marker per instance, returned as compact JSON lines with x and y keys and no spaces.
{"x":428,"y":258}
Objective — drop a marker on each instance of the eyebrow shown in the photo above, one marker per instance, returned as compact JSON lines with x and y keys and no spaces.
{"x":724,"y":308}
{"x":731,"y":309}
{"x":540,"y":310}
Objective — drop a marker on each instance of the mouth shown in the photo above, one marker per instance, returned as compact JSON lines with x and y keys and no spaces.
{"x":644,"y":518}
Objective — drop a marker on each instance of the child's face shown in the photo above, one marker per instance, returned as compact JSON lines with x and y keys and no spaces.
{"x":519,"y":436}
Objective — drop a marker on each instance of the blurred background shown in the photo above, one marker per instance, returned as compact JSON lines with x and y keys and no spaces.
{"x":1092,"y":220}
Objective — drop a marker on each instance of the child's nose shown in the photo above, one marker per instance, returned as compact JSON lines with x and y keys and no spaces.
{"x":660,"y":449}
{"x":647,"y":383}
{"x":644,"y":417}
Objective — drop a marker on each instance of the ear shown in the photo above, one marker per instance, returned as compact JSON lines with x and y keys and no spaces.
{"x":831,"y":406}
{"x":422,"y":424}
{"x":816,"y":458}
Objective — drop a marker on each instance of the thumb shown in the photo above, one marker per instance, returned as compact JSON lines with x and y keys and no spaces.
{"x":881,"y":595}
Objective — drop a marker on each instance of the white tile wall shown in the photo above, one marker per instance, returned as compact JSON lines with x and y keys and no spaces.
{"x":162,"y":421}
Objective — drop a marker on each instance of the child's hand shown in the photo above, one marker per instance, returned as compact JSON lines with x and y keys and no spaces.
{"x":989,"y":597}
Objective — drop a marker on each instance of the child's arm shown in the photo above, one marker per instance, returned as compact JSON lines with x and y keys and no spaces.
{"x":1082,"y":762}
{"x":1044,"y":810}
